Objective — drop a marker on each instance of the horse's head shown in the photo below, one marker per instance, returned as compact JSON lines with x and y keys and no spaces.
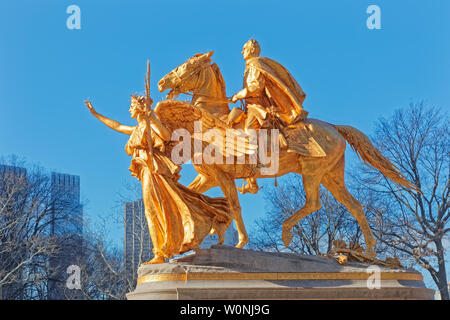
{"x":185,"y":78}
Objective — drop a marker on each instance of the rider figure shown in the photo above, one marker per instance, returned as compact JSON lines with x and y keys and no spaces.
{"x":268,"y":89}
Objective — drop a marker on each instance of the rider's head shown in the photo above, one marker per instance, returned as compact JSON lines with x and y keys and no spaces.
{"x":251,"y":49}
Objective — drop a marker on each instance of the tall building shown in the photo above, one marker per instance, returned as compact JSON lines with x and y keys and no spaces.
{"x":138,"y":245}
{"x":67,"y":227}
{"x":66,"y":192}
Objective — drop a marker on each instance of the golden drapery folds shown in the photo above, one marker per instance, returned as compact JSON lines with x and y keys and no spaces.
{"x":178,"y":218}
{"x":281,"y":90}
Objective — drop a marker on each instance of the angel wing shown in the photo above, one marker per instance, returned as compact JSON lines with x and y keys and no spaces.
{"x":230,"y":142}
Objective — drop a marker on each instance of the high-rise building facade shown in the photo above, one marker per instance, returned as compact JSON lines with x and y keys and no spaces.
{"x":137,"y":243}
{"x":67,"y":227}
{"x":66,"y":188}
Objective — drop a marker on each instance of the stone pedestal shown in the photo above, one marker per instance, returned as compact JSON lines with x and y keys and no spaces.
{"x":223,"y":272}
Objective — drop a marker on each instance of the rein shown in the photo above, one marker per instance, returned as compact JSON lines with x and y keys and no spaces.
{"x":210,"y":98}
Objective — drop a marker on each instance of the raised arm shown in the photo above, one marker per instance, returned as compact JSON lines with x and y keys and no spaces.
{"x":109,"y":122}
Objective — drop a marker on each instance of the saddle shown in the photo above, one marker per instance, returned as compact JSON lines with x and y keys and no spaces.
{"x":295,"y":137}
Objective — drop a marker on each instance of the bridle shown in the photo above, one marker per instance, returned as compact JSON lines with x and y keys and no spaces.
{"x":180,"y":90}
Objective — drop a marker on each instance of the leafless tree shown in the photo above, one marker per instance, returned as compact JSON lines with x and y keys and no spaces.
{"x":109,"y":273}
{"x":312,"y":235}
{"x":102,"y":268}
{"x":29,"y":208}
{"x":40,"y":237}
{"x":407,"y":223}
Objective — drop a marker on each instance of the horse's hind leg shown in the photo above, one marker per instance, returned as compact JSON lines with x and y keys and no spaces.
{"x":335,"y":183}
{"x":220,"y":229}
{"x":311,"y":184}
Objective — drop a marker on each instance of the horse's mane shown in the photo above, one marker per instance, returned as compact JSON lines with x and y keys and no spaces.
{"x":220,"y":79}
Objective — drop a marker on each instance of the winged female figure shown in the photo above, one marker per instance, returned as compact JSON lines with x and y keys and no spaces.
{"x":178,"y":218}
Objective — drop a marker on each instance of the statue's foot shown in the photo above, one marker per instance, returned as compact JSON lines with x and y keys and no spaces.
{"x":286,"y":236}
{"x":155,"y":260}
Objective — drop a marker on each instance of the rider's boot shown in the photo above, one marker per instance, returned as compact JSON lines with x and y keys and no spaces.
{"x":250,"y":187}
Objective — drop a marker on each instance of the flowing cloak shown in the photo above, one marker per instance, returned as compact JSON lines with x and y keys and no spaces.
{"x":286,"y":96}
{"x":181,"y":217}
{"x":283,"y":91}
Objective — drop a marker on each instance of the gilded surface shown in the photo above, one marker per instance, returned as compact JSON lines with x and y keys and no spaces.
{"x":277,"y":276}
{"x":314,"y":149}
{"x":180,"y":217}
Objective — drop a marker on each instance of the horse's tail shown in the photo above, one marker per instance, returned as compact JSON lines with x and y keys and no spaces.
{"x":371,"y":156}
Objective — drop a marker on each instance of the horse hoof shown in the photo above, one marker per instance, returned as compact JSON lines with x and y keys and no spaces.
{"x":241,"y":244}
{"x":287,"y":237}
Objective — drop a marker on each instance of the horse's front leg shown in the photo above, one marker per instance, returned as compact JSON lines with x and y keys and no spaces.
{"x":228,"y":187}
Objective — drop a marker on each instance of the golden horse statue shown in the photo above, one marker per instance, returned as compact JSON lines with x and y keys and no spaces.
{"x":202,"y":78}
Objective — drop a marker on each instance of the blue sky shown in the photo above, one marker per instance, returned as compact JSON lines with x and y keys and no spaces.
{"x":351,"y":75}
